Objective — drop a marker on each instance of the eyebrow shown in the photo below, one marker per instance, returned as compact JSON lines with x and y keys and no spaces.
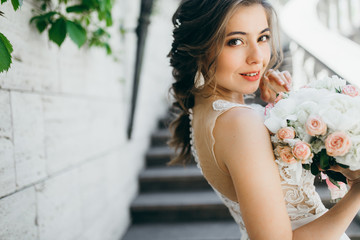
{"x":244,"y":33}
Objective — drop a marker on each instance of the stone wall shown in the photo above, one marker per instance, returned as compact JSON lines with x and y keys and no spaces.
{"x":67,"y":169}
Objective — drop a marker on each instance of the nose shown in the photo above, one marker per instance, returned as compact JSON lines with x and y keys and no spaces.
{"x":254,"y":54}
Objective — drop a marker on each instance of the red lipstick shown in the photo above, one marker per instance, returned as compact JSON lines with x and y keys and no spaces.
{"x":251,"y":76}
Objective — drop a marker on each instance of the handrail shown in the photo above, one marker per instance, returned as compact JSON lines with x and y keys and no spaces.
{"x":301,"y":24}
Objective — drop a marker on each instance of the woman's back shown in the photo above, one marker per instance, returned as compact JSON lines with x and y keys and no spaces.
{"x":302,"y":201}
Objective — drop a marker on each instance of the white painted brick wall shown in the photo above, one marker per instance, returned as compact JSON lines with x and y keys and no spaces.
{"x":7,"y":166}
{"x":18,"y":216}
{"x":67,"y":169}
{"x":28,"y":130}
{"x":59,"y":207}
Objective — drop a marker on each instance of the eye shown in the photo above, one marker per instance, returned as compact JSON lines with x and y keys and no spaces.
{"x":235,"y":42}
{"x":264,"y":38}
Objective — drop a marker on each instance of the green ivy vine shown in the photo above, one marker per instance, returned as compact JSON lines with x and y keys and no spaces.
{"x":5,"y":46}
{"x":85,"y":22}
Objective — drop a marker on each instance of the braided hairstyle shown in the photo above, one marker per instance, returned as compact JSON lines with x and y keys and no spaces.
{"x":199,"y":36}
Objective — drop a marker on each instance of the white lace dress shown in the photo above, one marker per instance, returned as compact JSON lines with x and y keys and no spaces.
{"x":302,"y":201}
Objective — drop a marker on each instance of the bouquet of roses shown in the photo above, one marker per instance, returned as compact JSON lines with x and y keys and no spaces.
{"x":318,"y":126}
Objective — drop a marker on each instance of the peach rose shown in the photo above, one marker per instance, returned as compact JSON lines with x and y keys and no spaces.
{"x":302,"y":151}
{"x":315,"y":126}
{"x":286,"y":154}
{"x":337,"y":144}
{"x":350,"y":90}
{"x":286,"y":133}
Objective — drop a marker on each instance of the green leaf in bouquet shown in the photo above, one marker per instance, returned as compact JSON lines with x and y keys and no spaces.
{"x":3,"y":1}
{"x":338,"y":90}
{"x":306,"y":166}
{"x":337,"y":176}
{"x":57,"y":32}
{"x":76,"y":32}
{"x":343,"y":166}
{"x":324,"y":160}
{"x":314,"y":169}
{"x":334,"y":182}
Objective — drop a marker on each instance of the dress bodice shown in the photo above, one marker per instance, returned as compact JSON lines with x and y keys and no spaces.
{"x":302,"y":201}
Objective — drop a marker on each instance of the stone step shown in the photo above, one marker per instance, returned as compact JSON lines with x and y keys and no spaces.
{"x":160,"y":137}
{"x":160,"y":156}
{"x":170,"y":179}
{"x":164,"y":122}
{"x":178,"y":207}
{"x":209,"y":230}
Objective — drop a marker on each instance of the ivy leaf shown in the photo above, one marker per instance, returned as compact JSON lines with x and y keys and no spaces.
{"x":90,"y":3}
{"x":16,"y":4}
{"x":76,"y":32}
{"x":41,"y":25}
{"x":77,"y":8}
{"x":108,"y":18}
{"x":57,"y":32}
{"x":43,"y":7}
{"x":46,"y":16}
{"x":108,"y":48}
{"x":5,"y":56}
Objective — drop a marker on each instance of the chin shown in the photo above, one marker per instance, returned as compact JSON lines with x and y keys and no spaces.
{"x":251,"y":90}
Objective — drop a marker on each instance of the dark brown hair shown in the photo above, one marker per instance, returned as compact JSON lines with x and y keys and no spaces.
{"x":199,"y":36}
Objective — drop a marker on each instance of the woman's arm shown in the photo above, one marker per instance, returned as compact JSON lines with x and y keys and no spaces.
{"x":243,"y":146}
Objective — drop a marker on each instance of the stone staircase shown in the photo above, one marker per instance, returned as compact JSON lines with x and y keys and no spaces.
{"x":175,"y":202}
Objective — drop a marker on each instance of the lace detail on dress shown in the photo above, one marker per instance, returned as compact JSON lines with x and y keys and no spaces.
{"x":234,"y":210}
{"x":301,"y":199}
{"x":220,"y":105}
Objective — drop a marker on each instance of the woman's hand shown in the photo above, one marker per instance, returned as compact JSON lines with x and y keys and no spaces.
{"x":272,"y":83}
{"x":353,"y":177}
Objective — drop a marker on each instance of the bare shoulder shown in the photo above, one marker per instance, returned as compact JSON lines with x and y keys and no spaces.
{"x":238,"y":133}
{"x":239,"y":122}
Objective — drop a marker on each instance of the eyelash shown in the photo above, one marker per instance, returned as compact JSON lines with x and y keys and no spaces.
{"x":232,"y":42}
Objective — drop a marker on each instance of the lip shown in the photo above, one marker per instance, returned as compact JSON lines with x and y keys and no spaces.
{"x":251,"y":78}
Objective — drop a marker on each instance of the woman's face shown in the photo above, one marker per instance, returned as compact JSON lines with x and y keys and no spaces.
{"x":246,"y":53}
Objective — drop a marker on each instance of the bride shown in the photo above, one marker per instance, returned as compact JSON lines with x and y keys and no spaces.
{"x":223,"y":50}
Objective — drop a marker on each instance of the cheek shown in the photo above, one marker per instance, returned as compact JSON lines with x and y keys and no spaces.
{"x":267,"y":54}
{"x":228,"y":62}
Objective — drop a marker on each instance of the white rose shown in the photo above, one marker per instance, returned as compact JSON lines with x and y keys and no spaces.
{"x":331,"y":84}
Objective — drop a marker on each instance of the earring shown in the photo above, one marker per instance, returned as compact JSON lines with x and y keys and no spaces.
{"x":199,"y":80}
